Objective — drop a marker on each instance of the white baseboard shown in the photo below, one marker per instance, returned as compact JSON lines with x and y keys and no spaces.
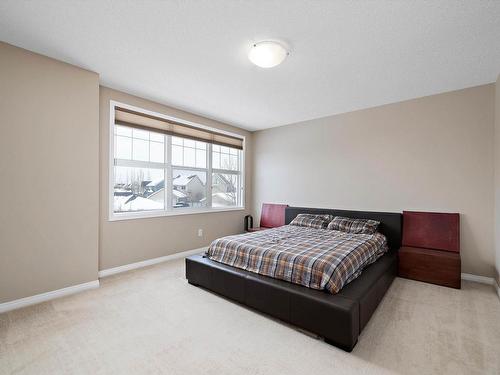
{"x":148,"y":262}
{"x":38,"y":298}
{"x":483,"y":280}
{"x":43,"y":297}
{"x":478,"y":279}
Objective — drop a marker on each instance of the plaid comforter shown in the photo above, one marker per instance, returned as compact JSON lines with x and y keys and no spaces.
{"x":315,"y":258}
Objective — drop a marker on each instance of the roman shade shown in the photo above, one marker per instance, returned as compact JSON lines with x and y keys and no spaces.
{"x":148,"y":122}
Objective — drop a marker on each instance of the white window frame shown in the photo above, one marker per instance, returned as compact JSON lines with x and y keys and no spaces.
{"x":168,"y":167}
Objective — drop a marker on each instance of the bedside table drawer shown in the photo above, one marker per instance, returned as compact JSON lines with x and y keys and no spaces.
{"x":432,"y":266}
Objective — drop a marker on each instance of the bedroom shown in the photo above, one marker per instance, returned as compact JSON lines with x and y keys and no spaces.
{"x":136,"y":134}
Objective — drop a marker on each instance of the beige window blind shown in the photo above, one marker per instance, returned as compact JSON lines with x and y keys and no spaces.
{"x":143,"y":121}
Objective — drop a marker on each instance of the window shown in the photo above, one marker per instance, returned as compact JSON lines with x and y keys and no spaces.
{"x":158,"y":171}
{"x":226,"y":176}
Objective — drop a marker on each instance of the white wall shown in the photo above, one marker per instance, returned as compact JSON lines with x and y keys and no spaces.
{"x":433,"y":153}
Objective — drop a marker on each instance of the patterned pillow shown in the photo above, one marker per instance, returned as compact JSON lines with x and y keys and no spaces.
{"x":311,"y":221}
{"x":355,"y":226}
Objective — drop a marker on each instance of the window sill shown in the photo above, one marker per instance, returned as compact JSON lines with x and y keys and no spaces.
{"x":152,"y":214}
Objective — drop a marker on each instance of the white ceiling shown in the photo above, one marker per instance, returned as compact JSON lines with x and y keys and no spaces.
{"x":345,"y":55}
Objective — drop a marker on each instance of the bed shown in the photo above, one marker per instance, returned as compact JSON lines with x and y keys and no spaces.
{"x":339,"y":318}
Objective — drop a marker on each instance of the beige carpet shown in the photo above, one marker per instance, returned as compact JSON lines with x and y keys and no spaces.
{"x":150,"y":321}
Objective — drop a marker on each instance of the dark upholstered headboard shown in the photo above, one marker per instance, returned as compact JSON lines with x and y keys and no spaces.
{"x":391,"y":224}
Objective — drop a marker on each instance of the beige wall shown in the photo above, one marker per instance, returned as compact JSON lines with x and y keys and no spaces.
{"x":49,"y":170}
{"x":128,"y":241}
{"x":433,"y":153}
{"x":497,"y":178}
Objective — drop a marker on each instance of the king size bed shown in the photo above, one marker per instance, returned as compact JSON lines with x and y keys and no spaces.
{"x":319,"y":278}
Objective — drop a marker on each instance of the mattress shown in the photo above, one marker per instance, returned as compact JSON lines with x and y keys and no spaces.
{"x":316,"y":258}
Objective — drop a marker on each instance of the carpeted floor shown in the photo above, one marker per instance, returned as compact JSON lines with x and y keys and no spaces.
{"x":151,"y":321}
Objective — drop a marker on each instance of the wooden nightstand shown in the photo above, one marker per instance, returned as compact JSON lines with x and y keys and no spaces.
{"x":431,"y":248}
{"x":271,"y":216}
{"x":429,"y":265}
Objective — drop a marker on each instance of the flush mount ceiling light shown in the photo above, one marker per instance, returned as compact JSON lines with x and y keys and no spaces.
{"x":267,"y":54}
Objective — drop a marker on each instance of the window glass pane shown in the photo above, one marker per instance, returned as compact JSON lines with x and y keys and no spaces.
{"x":157,"y":137}
{"x":233,"y":162}
{"x":140,"y":150}
{"x":225,"y":190}
{"x":189,"y":189}
{"x":201,"y":145}
{"x":177,"y":155}
{"x":191,"y":154}
{"x":224,"y":161}
{"x":123,"y":147}
{"x":156,"y":152}
{"x":177,"y":141}
{"x":138,"y":189}
{"x":189,"y":157}
{"x":123,"y":130}
{"x":215,"y":148}
{"x":216,"y":160}
{"x":140,"y":134}
{"x":201,"y":159}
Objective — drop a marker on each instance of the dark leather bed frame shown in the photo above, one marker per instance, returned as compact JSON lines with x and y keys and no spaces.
{"x":338,"y":318}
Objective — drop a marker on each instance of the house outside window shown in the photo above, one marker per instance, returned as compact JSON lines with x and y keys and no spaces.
{"x":159,"y":172}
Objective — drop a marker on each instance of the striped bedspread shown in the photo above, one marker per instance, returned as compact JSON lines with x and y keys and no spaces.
{"x":316,"y":258}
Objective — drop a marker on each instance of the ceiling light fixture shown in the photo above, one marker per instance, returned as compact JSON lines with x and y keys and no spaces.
{"x":267,"y":54}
